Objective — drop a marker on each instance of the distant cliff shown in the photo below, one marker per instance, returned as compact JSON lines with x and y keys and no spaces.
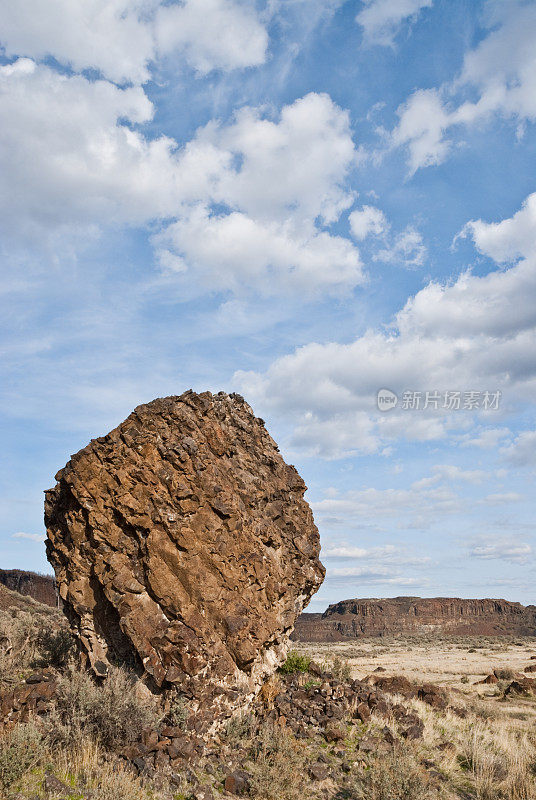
{"x":31,"y":584}
{"x":351,"y":619}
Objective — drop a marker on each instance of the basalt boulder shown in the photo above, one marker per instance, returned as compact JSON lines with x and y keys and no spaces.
{"x":183,"y":546}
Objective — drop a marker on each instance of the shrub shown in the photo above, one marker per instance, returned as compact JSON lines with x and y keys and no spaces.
{"x":279,"y":766}
{"x":178,"y":712}
{"x":295,"y":663}
{"x":55,"y":648}
{"x":396,"y":776}
{"x":341,"y":669}
{"x":20,"y":750}
{"x":111,"y":713}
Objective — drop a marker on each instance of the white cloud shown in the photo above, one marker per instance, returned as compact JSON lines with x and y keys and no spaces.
{"x":418,"y":506}
{"x":34,"y":537}
{"x":500,"y":71}
{"x":375,"y":576}
{"x":70,"y":164}
{"x":386,"y":554}
{"x":522,"y":451}
{"x":501,"y":498}
{"x":458,"y":336}
{"x":212,"y":34}
{"x":276,"y":179}
{"x":509,"y":550}
{"x":407,"y":250}
{"x":423,"y":121}
{"x":507,"y":240}
{"x":449,"y":473}
{"x":121,"y":38}
{"x":381,"y":19}
{"x":486,"y":438}
{"x":234,"y":251}
{"x":367,"y":221}
{"x":66,"y":159}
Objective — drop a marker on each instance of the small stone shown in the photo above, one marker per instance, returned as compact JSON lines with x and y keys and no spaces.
{"x":53,"y":785}
{"x":318,"y":772}
{"x":334,"y":734}
{"x":237,"y":782}
{"x":362,"y":712}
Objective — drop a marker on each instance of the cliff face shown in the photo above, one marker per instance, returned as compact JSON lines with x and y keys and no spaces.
{"x":350,"y":619}
{"x":31,"y":584}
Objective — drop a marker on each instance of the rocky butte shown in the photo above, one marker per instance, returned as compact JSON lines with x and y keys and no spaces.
{"x":350,"y":619}
{"x":182,"y":545}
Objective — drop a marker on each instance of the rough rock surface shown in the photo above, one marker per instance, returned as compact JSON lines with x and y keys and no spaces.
{"x":416,"y":615}
{"x":181,"y":541}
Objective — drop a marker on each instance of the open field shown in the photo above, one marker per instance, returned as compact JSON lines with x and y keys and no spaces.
{"x":456,"y":663}
{"x":442,"y":660}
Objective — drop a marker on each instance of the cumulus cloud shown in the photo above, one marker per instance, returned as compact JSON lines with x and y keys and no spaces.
{"x":485,"y":439}
{"x":212,"y":34}
{"x":407,"y":250}
{"x":507,"y":240}
{"x":460,"y":335}
{"x":121,"y":38}
{"x":417,"y":506}
{"x":382,"y":19}
{"x":499,"y":76}
{"x":280,"y":182}
{"x":71,"y":158}
{"x":387,"y":554}
{"x":367,"y":221}
{"x":66,"y":159}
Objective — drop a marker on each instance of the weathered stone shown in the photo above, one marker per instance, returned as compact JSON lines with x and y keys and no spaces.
{"x":362,"y":712}
{"x":182,"y":540}
{"x":318,"y":771}
{"x":53,"y":785}
{"x":237,"y":782}
{"x":489,"y":679}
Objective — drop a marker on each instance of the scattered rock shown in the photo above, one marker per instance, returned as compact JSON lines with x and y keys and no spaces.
{"x":525,"y":687}
{"x":53,"y":785}
{"x":490,"y":679}
{"x":433,"y":695}
{"x":237,"y":782}
{"x":318,"y":771}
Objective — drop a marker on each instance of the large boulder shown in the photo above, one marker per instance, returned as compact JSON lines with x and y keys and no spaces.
{"x":182,"y":545}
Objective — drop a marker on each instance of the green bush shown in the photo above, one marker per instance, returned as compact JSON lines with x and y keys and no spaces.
{"x":178,"y":712}
{"x":20,"y":750}
{"x":55,"y":647}
{"x":397,"y":776}
{"x":295,"y":663}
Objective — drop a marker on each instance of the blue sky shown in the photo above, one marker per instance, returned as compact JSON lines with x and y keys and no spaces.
{"x":305,"y":201}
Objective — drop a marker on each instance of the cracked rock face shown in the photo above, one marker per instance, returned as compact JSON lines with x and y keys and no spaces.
{"x":182,"y":544}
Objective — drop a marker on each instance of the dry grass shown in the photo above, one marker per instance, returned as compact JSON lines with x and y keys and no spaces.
{"x":31,"y":639}
{"x":112,"y":714}
{"x":490,"y":754}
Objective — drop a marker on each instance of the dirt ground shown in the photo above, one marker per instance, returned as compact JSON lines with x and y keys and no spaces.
{"x":457,"y":663}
